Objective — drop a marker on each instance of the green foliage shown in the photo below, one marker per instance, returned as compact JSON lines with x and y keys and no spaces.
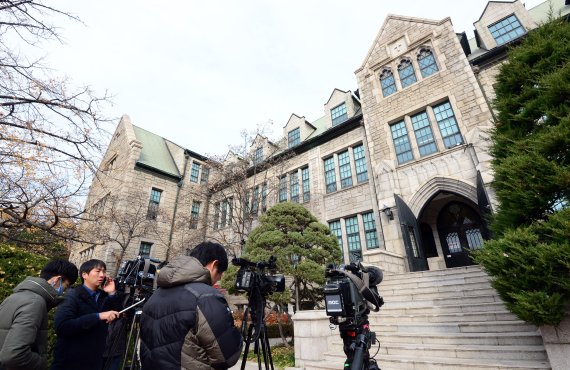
{"x":15,"y":266}
{"x":282,"y":355}
{"x":530,"y":267}
{"x":301,"y":244}
{"x":530,"y":258}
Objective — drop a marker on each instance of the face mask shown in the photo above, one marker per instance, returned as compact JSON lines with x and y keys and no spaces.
{"x":59,"y":290}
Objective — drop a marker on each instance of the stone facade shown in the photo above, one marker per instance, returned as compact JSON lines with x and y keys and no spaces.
{"x":399,"y":169}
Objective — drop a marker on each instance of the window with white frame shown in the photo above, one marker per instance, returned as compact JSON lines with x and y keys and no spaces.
{"x":447,"y":125}
{"x":406,"y":72}
{"x":294,"y":186}
{"x":330,"y":176}
{"x":194,"y":214}
{"x":401,"y":142}
{"x":426,"y":61}
{"x":294,"y":137}
{"x":370,"y":230}
{"x":195,"y":172}
{"x":387,"y":82}
{"x":344,"y":169}
{"x":306,"y":184}
{"x":360,"y":163}
{"x":423,"y":133}
{"x":282,"y":189}
{"x":339,"y":114}
{"x":353,"y":239}
{"x":507,"y":29}
{"x":153,"y":203}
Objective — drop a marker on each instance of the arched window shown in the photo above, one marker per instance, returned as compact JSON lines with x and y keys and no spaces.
{"x":388,"y":82}
{"x":406,"y":72}
{"x":427,"y":63}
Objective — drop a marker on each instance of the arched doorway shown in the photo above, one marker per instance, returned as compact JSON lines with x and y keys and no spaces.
{"x":461,"y":231}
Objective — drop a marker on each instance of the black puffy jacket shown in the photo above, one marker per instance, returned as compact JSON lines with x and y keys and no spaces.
{"x":186,"y":323}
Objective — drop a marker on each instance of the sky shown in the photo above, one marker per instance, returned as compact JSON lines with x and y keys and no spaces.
{"x":200,"y":72}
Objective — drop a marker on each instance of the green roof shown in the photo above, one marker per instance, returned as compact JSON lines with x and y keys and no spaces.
{"x":320,"y":125}
{"x":155,"y":153}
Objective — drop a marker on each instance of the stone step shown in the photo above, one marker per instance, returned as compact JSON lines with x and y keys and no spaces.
{"x":434,"y":275}
{"x":464,"y":278}
{"x":528,"y":338}
{"x":420,"y":295}
{"x":450,"y":317}
{"x":454,"y":285}
{"x":394,"y":362}
{"x":464,"y":327}
{"x":513,"y":352}
{"x":390,"y":308}
{"x":436,"y":302}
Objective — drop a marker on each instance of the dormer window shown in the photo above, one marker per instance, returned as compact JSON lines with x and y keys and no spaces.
{"x":388,"y":82}
{"x":258,"y":157}
{"x":426,"y":60}
{"x":406,"y":72}
{"x":294,"y":137}
{"x":506,"y":29}
{"x":339,"y":114}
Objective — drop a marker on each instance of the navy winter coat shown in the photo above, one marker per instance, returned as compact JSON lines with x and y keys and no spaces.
{"x":81,"y":334}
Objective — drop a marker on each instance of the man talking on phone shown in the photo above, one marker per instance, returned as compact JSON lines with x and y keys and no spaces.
{"x":81,"y":320}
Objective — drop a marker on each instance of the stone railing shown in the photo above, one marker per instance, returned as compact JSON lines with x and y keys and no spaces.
{"x":312,"y":336}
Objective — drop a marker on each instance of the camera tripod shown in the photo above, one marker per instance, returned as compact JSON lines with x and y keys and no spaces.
{"x":260,"y":338}
{"x":357,"y":340}
{"x":131,"y":343}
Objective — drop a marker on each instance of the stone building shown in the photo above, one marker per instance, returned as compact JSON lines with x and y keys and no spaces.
{"x":399,"y":169}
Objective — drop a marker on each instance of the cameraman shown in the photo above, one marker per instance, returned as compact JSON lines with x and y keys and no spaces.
{"x":187,"y":323}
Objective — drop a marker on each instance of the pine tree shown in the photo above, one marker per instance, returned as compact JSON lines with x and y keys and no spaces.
{"x":530,"y":258}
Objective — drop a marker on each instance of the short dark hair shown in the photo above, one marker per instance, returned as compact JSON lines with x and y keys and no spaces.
{"x":56,"y":267}
{"x":87,"y":266}
{"x":207,"y":251}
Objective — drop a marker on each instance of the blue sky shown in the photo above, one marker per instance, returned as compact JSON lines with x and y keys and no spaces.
{"x":199,"y":72}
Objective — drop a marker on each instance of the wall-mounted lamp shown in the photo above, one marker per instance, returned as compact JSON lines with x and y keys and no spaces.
{"x":388,"y":212}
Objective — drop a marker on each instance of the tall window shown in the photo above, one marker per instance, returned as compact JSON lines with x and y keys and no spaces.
{"x":388,"y":82}
{"x":144,"y":249}
{"x":264,"y":197}
{"x":339,"y":114}
{"x":336,"y":231}
{"x":224,"y":212}
{"x":258,"y":155}
{"x":306,"y":187}
{"x":205,"y":175}
{"x":153,"y":203}
{"x":255,"y":200}
{"x":401,"y":142}
{"x":344,"y":169}
{"x":194,"y":214}
{"x":294,"y":137}
{"x":370,"y":230}
{"x":353,"y":238}
{"x":294,"y":187}
{"x":506,"y":29}
{"x":216,"y":215}
{"x":426,"y":60}
{"x":424,"y":135}
{"x":330,"y":177}
{"x":195,"y":172}
{"x":360,"y":163}
{"x":283,"y":188}
{"x":447,"y":125}
{"x":406,"y":72}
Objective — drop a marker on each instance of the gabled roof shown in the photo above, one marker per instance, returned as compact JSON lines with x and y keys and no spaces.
{"x":296,"y":115}
{"x":155,"y":153}
{"x":390,"y":17}
{"x":335,"y":89}
{"x":486,"y":6}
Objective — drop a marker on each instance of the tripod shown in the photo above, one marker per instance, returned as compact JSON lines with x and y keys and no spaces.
{"x":357,"y":339}
{"x":133,"y":344}
{"x":260,"y":338}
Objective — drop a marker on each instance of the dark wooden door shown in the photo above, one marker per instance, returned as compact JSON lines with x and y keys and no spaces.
{"x":412,"y":236}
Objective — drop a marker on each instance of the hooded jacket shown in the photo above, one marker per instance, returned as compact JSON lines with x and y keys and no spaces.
{"x":24,"y":325}
{"x":186,"y":323}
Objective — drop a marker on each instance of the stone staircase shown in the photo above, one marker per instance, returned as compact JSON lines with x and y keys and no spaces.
{"x":446,"y":319}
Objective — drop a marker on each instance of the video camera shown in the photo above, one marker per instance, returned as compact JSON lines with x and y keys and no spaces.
{"x":139,"y":273}
{"x":252,"y":275}
{"x":351,"y":292}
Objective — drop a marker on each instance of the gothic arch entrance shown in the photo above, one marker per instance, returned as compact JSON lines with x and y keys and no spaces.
{"x":461,"y":230}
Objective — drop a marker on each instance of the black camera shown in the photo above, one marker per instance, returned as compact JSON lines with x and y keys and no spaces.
{"x":138,"y":273}
{"x":351,"y":292}
{"x":252,"y":274}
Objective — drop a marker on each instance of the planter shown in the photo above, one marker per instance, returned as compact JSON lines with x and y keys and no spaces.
{"x":557,"y":343}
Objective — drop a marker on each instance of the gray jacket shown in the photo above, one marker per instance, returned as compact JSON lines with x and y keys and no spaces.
{"x":24,"y":325}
